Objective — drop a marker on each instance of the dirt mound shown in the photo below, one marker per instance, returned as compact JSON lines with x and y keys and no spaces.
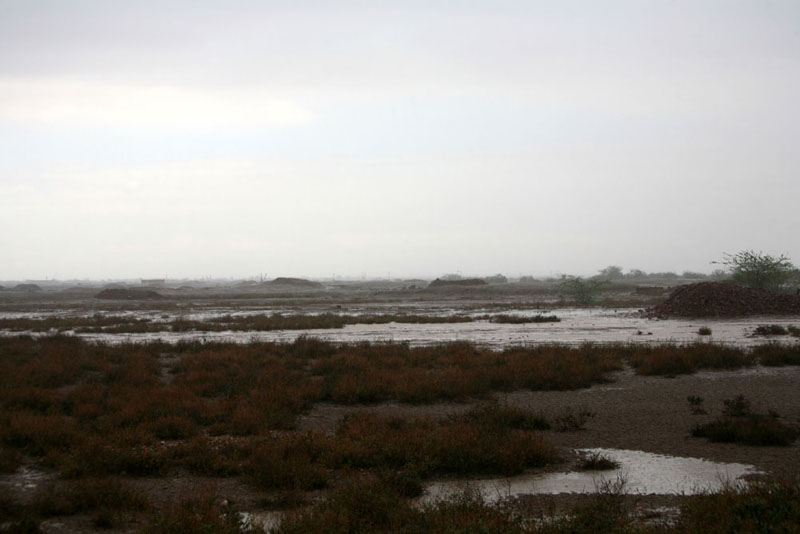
{"x":294,"y":282}
{"x":458,"y":283}
{"x":30,"y":288}
{"x":128,"y":294}
{"x":715,"y":299}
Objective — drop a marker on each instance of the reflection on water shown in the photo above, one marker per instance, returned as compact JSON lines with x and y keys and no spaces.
{"x":640,"y":472}
{"x":596,"y":325}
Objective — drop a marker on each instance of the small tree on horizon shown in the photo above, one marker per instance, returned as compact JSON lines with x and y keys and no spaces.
{"x":759,"y":270}
{"x":612,"y":272}
{"x":580,"y":290}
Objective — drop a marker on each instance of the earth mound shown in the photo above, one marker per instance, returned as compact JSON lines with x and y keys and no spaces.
{"x":30,"y":288}
{"x":128,"y":294}
{"x":294,"y":282}
{"x":467,"y":282}
{"x":715,"y":299}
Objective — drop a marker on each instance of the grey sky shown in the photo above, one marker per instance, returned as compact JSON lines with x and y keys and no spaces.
{"x":191,"y":138}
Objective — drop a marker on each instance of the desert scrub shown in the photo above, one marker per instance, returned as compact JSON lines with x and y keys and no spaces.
{"x":759,"y":506}
{"x":704,"y":331}
{"x":501,"y":416}
{"x":740,"y":425}
{"x":770,"y":330}
{"x":520,"y":319}
{"x":86,"y":495}
{"x":673,"y":360}
{"x":205,"y":512}
{"x":597,"y":462}
{"x":777,"y":355}
{"x":369,"y":505}
{"x":572,"y":419}
{"x":457,"y":445}
{"x":696,"y":405}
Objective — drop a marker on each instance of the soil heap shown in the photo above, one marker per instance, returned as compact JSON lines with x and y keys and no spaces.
{"x":715,"y":299}
{"x":30,"y":288}
{"x":458,"y":283}
{"x":295,"y":282}
{"x":128,"y":294}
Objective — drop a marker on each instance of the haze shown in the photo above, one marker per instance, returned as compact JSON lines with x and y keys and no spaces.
{"x":198,"y":138}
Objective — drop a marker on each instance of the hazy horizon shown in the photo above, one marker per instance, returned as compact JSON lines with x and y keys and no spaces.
{"x":190,"y":139}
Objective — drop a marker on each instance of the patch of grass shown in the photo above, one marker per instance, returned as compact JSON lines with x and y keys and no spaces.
{"x":10,"y":508}
{"x":772,"y":506}
{"x":572,"y":419}
{"x":10,"y":460}
{"x":291,"y":463}
{"x":671,"y":360}
{"x":737,"y":406}
{"x":369,"y":505}
{"x":604,"y":512}
{"x":204,"y":512}
{"x":502,"y":416}
{"x":740,"y":425}
{"x":704,"y":331}
{"x":757,"y":430}
{"x":519,"y":319}
{"x":597,"y":462}
{"x":358,"y":505}
{"x":457,"y":445}
{"x":777,"y":355}
{"x":696,"y":405}
{"x":770,"y":330}
{"x":86,"y":495}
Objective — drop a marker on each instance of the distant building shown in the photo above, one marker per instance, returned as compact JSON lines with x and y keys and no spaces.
{"x":154,"y":282}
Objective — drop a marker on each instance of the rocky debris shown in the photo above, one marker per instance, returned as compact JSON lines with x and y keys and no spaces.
{"x":295,"y":282}
{"x":716,"y":299}
{"x":467,"y":282}
{"x":128,"y":294}
{"x":30,"y":288}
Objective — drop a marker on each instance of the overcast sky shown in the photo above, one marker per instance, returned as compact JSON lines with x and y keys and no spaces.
{"x":198,"y":138}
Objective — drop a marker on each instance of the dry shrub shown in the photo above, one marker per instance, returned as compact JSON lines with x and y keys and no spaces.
{"x":672,"y":360}
{"x":769,"y":506}
{"x":777,"y":354}
{"x":457,"y":445}
{"x":40,"y":435}
{"x":172,"y":428}
{"x":291,"y":462}
{"x":206,"y":457}
{"x":81,"y":496}
{"x":203,"y":512}
{"x":127,"y":451}
{"x":372,"y":504}
{"x":757,"y":430}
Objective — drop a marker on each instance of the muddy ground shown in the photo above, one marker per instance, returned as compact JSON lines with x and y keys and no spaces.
{"x":633,"y":412}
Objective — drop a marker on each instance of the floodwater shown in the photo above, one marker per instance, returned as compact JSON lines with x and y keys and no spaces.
{"x":577,"y":325}
{"x":640,"y":473}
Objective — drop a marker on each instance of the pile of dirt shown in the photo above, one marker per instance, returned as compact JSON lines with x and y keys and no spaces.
{"x":30,"y":288}
{"x":295,"y":282}
{"x":128,"y":294}
{"x":458,"y":283}
{"x":715,"y":299}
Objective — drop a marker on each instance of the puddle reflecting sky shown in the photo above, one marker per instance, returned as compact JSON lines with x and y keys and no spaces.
{"x":642,"y":473}
{"x":577,"y":326}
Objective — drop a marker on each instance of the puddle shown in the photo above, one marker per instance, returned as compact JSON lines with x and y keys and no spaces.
{"x":268,"y":521}
{"x":577,"y":326}
{"x":642,"y":473}
{"x":25,"y":480}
